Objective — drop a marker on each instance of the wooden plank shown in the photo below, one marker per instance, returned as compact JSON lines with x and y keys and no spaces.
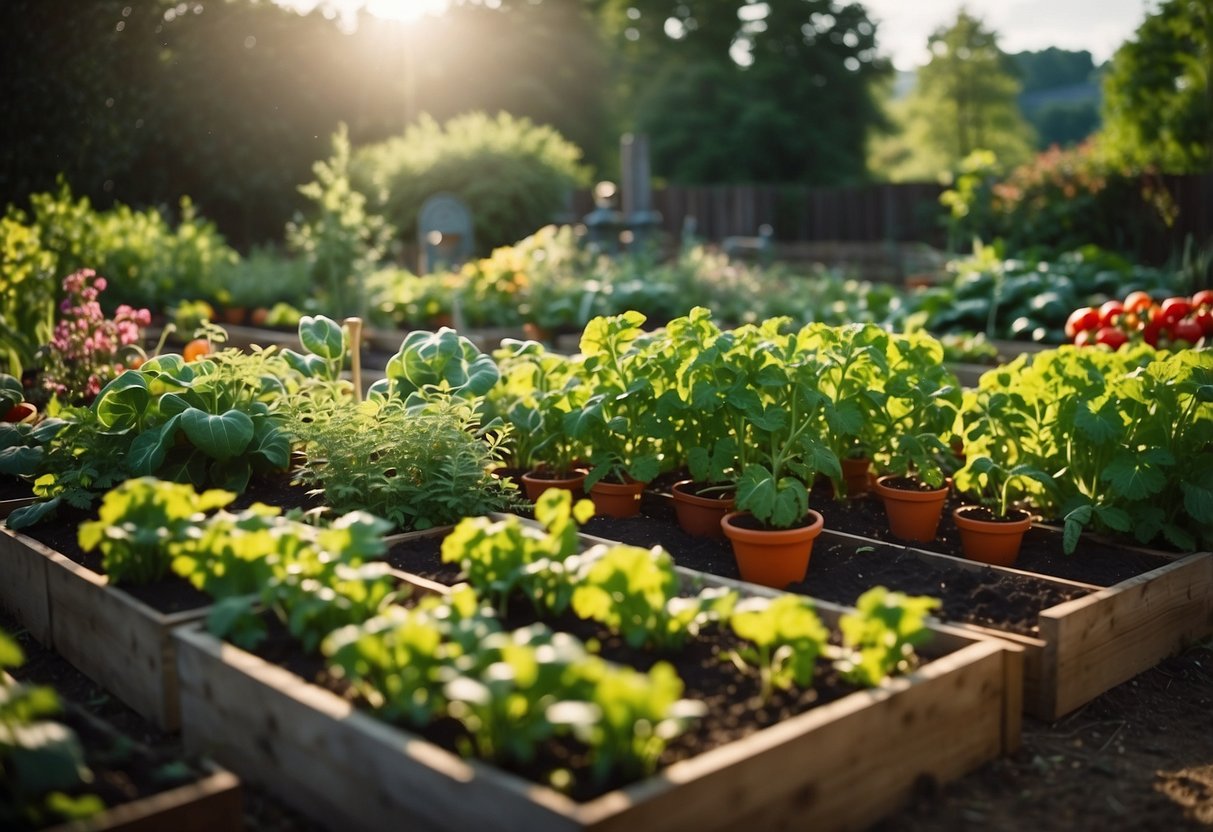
{"x":215,"y":802}
{"x":1097,"y":642}
{"x":23,"y":593}
{"x":840,"y":766}
{"x":116,"y":640}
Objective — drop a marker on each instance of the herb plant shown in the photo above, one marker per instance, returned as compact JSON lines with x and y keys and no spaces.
{"x":990,"y":483}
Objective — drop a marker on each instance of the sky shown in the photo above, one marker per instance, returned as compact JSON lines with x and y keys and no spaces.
{"x":1098,"y":26}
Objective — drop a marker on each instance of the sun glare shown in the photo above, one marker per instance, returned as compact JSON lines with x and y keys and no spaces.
{"x":404,"y":10}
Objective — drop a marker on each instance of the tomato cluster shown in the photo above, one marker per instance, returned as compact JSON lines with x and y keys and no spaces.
{"x":1175,"y":323}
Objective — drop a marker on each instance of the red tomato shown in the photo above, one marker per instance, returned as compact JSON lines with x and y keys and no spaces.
{"x":1203,"y":298}
{"x":1084,"y":337}
{"x":1151,"y":331}
{"x":1110,"y":311}
{"x":1188,"y":330}
{"x":1138,"y":302}
{"x":1081,"y":320}
{"x":1175,"y":308}
{"x":1204,"y":317}
{"x":1111,"y":336}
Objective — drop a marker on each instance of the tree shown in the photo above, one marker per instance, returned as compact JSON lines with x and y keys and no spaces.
{"x":739,"y":91}
{"x":965,"y":99}
{"x":1158,"y":98}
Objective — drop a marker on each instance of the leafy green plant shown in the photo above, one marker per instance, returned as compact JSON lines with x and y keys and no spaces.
{"x":634,"y":592}
{"x":1125,"y":435}
{"x":40,"y":760}
{"x":23,"y":446}
{"x":414,"y":469}
{"x":990,"y":483}
{"x":784,"y":637}
{"x":27,"y":293}
{"x":139,"y":526}
{"x":503,"y":559}
{"x":442,"y":363}
{"x":879,"y":638}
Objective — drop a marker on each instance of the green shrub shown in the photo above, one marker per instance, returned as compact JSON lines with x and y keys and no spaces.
{"x":513,"y":175}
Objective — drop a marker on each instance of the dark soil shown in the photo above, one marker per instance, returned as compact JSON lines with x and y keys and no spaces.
{"x":12,"y":488}
{"x":422,"y":556}
{"x":841,"y":570}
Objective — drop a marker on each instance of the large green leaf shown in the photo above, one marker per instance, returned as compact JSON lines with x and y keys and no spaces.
{"x":123,"y":402}
{"x":33,"y":514}
{"x":270,"y":444}
{"x":779,"y":504}
{"x":1099,"y":427}
{"x":322,"y":336}
{"x":1136,"y":476}
{"x":150,"y":448}
{"x":220,"y":437}
{"x":20,"y":461}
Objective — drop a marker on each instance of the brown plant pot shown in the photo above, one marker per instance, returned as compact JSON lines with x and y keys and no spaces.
{"x":700,"y":516}
{"x":913,"y":515}
{"x":21,"y":412}
{"x":855,"y":475}
{"x":234,"y":315}
{"x":614,"y":499}
{"x":534,"y":483}
{"x":995,"y":542}
{"x":773,"y":558}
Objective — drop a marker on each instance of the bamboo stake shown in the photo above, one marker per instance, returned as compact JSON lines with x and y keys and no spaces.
{"x":354,"y":327}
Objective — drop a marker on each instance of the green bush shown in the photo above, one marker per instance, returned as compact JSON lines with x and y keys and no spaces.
{"x":513,"y":175}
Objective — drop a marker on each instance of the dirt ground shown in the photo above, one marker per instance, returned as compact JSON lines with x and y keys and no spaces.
{"x":1140,"y":757}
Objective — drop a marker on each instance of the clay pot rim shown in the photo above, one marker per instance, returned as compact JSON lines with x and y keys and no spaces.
{"x":634,"y":487}
{"x":533,"y":475}
{"x":1018,"y":526}
{"x":679,"y":493}
{"x":773,"y":536}
{"x":911,"y":496}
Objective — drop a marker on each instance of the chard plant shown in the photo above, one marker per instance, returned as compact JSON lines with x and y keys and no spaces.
{"x":506,"y":559}
{"x":879,"y":638}
{"x":634,"y":593}
{"x":784,"y":639}
{"x":143,"y":523}
{"x":41,"y":760}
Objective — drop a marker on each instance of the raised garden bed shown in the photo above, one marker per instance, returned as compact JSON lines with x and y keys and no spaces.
{"x":840,"y":765}
{"x":1080,"y":640}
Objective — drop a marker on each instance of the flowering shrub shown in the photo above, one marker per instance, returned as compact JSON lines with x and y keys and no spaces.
{"x":88,"y":350}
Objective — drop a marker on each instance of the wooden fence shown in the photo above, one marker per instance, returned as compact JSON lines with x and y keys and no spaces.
{"x":870,"y":213}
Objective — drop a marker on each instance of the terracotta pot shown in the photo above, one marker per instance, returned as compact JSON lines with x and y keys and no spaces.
{"x":21,"y":412}
{"x":855,"y":474}
{"x":991,"y":541}
{"x":533,"y":484}
{"x":234,"y":315}
{"x":913,"y":515}
{"x":773,"y":558}
{"x":614,"y":499}
{"x":699,"y":516}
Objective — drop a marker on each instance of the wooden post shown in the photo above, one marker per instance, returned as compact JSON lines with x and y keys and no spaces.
{"x":354,"y":328}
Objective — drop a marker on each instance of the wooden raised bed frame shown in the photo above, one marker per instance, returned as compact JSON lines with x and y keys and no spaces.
{"x":119,"y":642}
{"x":1089,"y":645}
{"x":212,"y":803}
{"x":840,"y":766}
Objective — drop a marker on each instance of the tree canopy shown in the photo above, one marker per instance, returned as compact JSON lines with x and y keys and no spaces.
{"x":1158,"y":95}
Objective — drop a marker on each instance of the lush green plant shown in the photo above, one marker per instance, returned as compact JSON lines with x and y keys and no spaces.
{"x":879,"y":638}
{"x":635,"y":592}
{"x":990,"y":483}
{"x":40,"y":760}
{"x":512,"y":174}
{"x":911,"y":432}
{"x":140,"y":523}
{"x":539,"y":393}
{"x":1125,"y":434}
{"x":618,"y":421}
{"x":23,"y":446}
{"x":189,"y":316}
{"x":27,"y":293}
{"x":262,"y":279}
{"x":506,"y":559}
{"x":342,"y":241}
{"x":442,"y":364}
{"x":784,"y":637}
{"x":414,"y":469}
